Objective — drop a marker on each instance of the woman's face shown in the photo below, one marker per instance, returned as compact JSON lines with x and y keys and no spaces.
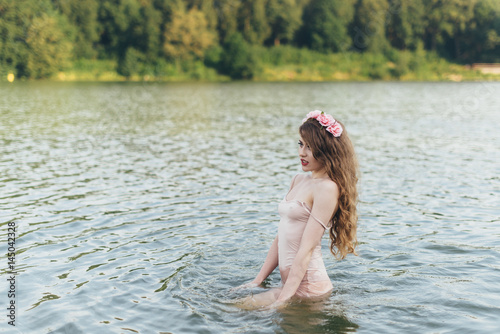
{"x":309,"y":163}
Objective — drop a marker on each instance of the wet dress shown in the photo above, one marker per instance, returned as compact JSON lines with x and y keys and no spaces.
{"x":294,"y":217}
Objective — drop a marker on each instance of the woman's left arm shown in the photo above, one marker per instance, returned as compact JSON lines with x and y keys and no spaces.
{"x":325,"y":196}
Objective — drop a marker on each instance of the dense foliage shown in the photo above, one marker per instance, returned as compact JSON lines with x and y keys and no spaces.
{"x":40,"y":37}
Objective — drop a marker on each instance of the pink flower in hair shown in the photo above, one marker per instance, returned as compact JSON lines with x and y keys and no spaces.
{"x":325,"y":120}
{"x":314,"y":114}
{"x":335,"y":129}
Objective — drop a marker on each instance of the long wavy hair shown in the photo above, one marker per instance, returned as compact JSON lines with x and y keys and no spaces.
{"x":337,"y":156}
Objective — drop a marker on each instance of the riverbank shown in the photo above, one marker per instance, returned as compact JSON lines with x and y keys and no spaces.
{"x":286,"y":63}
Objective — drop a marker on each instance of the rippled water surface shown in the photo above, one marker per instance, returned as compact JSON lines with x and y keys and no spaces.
{"x":139,"y":206}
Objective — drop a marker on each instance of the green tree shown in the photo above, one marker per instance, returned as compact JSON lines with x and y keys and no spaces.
{"x":446,"y":21}
{"x":326,"y":25}
{"x":83,"y":15}
{"x":13,"y":47}
{"x":131,"y":29}
{"x":237,"y":60}
{"x":461,"y":14}
{"x":187,"y":35}
{"x":150,"y":31}
{"x":284,"y":19}
{"x":405,"y":28}
{"x":227,"y":17}
{"x":131,"y":63}
{"x":481,"y":43}
{"x":35,"y":41}
{"x":253,"y":23}
{"x":49,"y":51}
{"x":119,"y":20}
{"x":207,"y":7}
{"x":370,"y":20}
{"x":165,"y":9}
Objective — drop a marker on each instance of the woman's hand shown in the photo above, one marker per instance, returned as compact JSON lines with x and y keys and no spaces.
{"x":278,"y":305}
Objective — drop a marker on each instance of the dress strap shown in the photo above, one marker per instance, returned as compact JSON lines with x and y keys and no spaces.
{"x":316,"y":219}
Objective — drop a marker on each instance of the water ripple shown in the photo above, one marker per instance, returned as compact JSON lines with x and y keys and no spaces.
{"x":140,"y":205}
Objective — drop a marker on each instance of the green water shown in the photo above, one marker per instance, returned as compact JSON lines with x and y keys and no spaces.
{"x":139,"y":206}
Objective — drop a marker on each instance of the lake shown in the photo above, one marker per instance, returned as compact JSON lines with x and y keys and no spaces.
{"x":138,"y":206}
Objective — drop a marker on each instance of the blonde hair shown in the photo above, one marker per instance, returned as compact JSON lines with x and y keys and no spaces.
{"x":337,"y":156}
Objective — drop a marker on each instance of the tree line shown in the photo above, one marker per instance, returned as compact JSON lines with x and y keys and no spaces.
{"x":40,"y":37}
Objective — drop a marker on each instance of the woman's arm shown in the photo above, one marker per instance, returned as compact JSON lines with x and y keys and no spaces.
{"x":270,"y":263}
{"x":325,"y":201}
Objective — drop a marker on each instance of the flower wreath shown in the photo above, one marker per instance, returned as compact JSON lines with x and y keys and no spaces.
{"x":327,"y":121}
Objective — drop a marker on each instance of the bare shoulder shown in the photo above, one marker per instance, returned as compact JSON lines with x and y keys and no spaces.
{"x":297,"y":179}
{"x":300,"y":177}
{"x":326,"y":188}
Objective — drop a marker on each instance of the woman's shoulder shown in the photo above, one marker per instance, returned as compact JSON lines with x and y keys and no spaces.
{"x":325,"y":187}
{"x":299,"y":177}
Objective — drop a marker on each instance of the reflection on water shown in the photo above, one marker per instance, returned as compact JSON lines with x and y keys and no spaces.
{"x":315,"y":317}
{"x":139,"y":206}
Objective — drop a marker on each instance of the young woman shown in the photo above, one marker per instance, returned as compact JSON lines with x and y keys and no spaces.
{"x":323,"y":200}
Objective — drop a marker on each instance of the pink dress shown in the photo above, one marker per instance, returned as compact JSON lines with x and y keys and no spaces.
{"x":294,"y":216}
